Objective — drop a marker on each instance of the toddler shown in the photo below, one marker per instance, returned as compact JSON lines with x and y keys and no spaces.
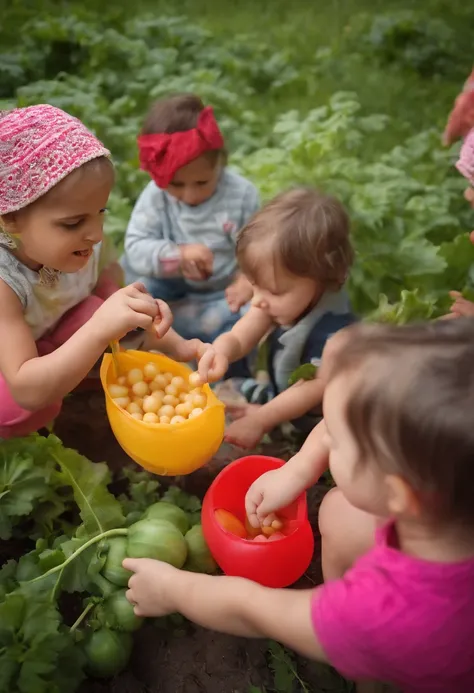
{"x":181,"y":237}
{"x":397,"y":605}
{"x":297,"y":254}
{"x":58,"y":287}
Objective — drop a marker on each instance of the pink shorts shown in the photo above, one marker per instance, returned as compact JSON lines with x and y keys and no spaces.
{"x":15,"y":421}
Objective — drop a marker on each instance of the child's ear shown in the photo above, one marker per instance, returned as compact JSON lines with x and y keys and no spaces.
{"x":401,"y":497}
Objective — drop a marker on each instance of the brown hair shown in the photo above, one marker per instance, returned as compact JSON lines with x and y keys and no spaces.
{"x":308,"y":233}
{"x":412,"y":406}
{"x":178,"y":113}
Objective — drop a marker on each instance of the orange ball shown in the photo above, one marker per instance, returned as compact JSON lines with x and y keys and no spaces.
{"x":230,"y":523}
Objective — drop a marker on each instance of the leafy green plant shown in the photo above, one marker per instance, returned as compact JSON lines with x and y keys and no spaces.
{"x":283,"y":667}
{"x":82,"y":557}
{"x":409,"y":39}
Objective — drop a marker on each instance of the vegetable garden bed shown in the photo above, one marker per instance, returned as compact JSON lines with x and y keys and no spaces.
{"x":169,"y":655}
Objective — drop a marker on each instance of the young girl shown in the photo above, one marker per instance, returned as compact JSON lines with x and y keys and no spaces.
{"x":299,"y":297}
{"x":181,"y":237}
{"x":60,"y":306}
{"x":398,"y":603}
{"x":465,"y":165}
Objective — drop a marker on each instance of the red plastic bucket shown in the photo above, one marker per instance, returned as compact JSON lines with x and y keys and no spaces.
{"x":273,"y":564}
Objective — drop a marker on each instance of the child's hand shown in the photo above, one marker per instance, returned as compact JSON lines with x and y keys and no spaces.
{"x":246,"y":432}
{"x":151,"y":586}
{"x":239,"y":293}
{"x":461,"y":306}
{"x":211,"y":364}
{"x":164,"y":318}
{"x":268,"y":494}
{"x":196,"y":261}
{"x":129,"y":308}
{"x":239,"y":411}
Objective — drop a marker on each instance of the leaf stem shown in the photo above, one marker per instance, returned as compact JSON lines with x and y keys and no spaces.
{"x":79,"y":620}
{"x":121,"y":531}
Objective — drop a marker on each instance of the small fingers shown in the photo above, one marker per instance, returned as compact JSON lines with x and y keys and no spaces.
{"x":218,"y":367}
{"x":205,"y":363}
{"x":164,"y":318}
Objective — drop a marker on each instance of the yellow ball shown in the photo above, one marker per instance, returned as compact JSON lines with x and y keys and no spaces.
{"x":195,"y":380}
{"x":140,"y":389}
{"x":166,"y":410}
{"x":133,"y":408}
{"x":161,"y":381}
{"x":150,"y":371}
{"x":135,"y":376}
{"x":150,"y":417}
{"x":184,"y":409}
{"x":178,"y":383}
{"x":123,"y":402}
{"x":118,"y":391}
{"x":170,"y":399}
{"x":151,"y":404}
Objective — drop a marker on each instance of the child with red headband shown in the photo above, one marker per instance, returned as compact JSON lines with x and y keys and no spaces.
{"x":59,"y":295}
{"x":181,"y":237}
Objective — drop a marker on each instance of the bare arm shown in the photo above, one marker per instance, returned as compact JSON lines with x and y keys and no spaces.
{"x":37,"y":381}
{"x":298,"y":400}
{"x":280,"y":487}
{"x":311,"y":461}
{"x":244,"y":336}
{"x":243,"y":608}
{"x":226,"y":604}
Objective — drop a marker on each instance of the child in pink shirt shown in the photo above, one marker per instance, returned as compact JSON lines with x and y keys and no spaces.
{"x":398,"y":602}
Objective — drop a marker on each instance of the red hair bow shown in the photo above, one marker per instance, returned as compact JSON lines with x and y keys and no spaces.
{"x":161,"y":155}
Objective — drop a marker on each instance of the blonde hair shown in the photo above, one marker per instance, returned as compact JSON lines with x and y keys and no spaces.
{"x":308,"y":233}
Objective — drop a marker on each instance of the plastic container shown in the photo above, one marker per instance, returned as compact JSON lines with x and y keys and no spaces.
{"x":273,"y":564}
{"x":164,"y":449}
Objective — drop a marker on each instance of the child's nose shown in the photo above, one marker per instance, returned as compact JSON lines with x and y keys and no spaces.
{"x":95,"y":235}
{"x":191,"y":197}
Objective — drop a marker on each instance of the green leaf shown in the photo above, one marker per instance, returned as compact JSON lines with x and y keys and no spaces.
{"x":98,"y":508}
{"x":26,"y":468}
{"x":307,"y":371}
{"x":34,"y":647}
{"x":190,"y":504}
{"x":142,"y":490}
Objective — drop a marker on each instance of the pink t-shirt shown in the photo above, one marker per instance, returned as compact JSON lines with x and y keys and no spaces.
{"x":400,"y":620}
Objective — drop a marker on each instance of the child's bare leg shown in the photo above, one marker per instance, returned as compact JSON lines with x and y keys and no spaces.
{"x":347,"y":533}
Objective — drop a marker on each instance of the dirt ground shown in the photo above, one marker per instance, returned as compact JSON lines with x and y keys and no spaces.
{"x":185,"y":659}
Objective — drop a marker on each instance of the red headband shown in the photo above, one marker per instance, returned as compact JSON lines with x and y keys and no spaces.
{"x":161,"y":155}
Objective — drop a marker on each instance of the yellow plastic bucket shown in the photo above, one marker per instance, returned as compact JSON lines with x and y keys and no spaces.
{"x":164,"y":449}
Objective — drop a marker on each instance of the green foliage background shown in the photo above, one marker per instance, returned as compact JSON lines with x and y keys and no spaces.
{"x":349,"y":96}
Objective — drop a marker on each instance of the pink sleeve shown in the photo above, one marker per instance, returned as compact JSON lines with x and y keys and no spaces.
{"x":348,"y":616}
